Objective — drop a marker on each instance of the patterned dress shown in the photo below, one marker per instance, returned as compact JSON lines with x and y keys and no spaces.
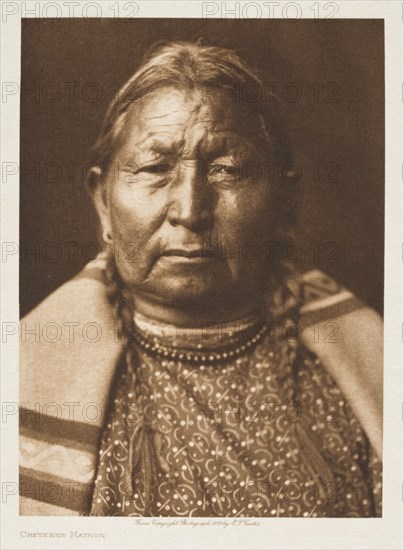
{"x":262,"y":432}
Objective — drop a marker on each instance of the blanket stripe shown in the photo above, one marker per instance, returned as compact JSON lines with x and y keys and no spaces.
{"x":55,"y":490}
{"x":56,"y":430}
{"x":344,"y":307}
{"x":57,"y":461}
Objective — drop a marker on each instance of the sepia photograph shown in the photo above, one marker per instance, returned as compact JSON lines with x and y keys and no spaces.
{"x":202,"y":275}
{"x":201,"y":268}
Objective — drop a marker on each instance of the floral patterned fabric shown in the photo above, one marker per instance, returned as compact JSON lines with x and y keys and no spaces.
{"x":268,"y":434}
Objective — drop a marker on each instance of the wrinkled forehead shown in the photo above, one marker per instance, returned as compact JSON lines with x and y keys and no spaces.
{"x":167,"y":119}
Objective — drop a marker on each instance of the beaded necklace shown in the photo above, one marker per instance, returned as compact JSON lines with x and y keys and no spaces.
{"x":222,"y":342}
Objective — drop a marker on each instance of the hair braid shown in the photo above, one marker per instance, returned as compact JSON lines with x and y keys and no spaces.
{"x":144,"y":453}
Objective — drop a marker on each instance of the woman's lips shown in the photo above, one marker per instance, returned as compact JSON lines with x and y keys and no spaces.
{"x":180,"y":255}
{"x":195,"y":253}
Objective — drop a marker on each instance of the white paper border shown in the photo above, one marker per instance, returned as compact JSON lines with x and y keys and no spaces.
{"x":386,"y":532}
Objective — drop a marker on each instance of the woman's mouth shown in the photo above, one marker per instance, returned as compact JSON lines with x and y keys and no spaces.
{"x":189,"y":256}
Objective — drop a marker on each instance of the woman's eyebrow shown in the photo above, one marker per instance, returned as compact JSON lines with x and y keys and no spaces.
{"x":159,"y":144}
{"x":229,"y":143}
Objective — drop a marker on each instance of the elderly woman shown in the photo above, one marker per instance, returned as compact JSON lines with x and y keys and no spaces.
{"x":193,"y":377}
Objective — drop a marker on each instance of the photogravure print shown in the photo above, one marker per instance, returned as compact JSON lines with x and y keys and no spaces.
{"x":201,"y":335}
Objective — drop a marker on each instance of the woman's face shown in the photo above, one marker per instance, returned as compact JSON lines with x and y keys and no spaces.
{"x":189,"y":201}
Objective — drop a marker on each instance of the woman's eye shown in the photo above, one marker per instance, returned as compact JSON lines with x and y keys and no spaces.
{"x":223,"y":171}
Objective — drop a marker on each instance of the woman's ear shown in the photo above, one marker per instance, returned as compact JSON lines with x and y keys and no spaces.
{"x":96,"y":186}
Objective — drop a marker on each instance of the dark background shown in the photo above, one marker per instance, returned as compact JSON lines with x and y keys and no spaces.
{"x":70,"y":70}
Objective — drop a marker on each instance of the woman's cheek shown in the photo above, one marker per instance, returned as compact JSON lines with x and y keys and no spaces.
{"x":134,"y":212}
{"x":136,"y":224}
{"x":245,"y":229}
{"x":246,"y":216}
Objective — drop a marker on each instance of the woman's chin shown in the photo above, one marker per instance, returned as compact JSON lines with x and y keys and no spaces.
{"x":190,"y":291}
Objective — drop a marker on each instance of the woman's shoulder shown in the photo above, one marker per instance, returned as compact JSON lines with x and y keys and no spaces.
{"x":347,"y":336}
{"x":319,"y":296}
{"x":69,"y":343}
{"x":85,"y":289}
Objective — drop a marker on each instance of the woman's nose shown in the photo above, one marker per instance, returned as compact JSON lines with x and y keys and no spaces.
{"x":191,"y":201}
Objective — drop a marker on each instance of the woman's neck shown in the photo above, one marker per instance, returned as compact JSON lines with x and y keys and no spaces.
{"x":206,"y":339}
{"x":197,"y":317}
